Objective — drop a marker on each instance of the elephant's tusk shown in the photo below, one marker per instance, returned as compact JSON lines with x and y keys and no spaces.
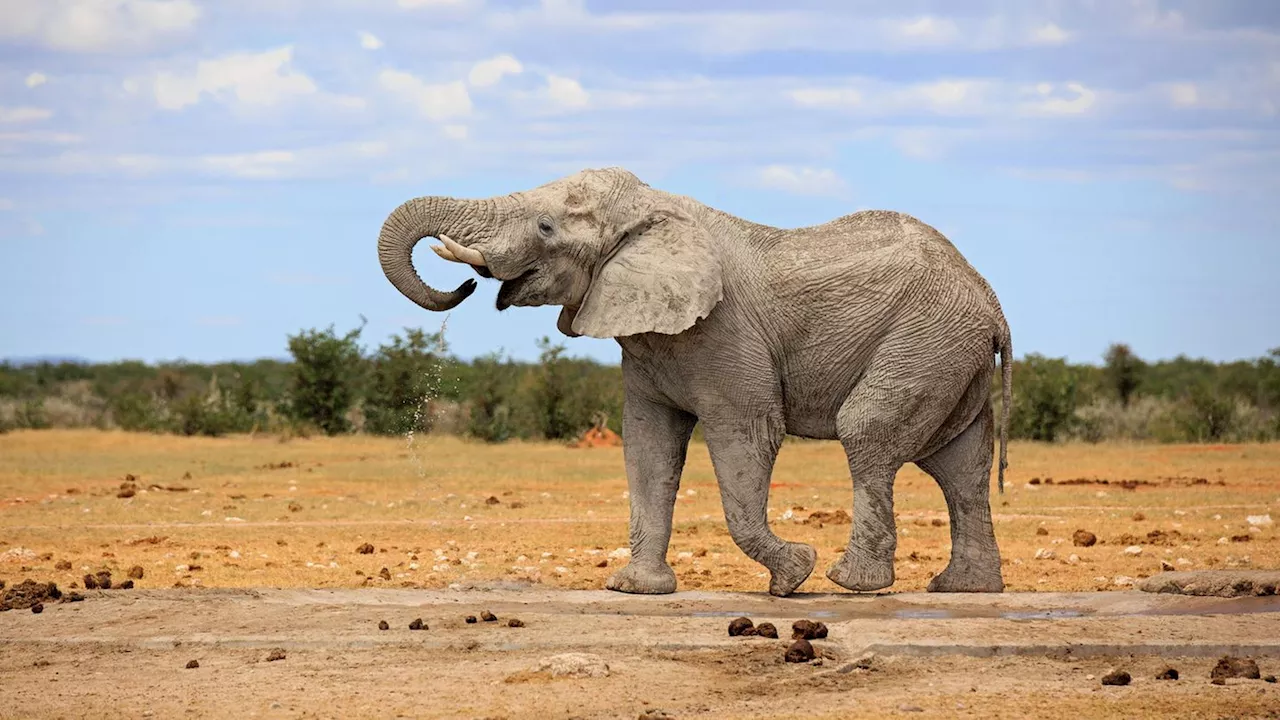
{"x":470,"y":256}
{"x":444,"y":253}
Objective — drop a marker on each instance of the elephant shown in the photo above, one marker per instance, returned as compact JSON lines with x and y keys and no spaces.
{"x":871,"y":329}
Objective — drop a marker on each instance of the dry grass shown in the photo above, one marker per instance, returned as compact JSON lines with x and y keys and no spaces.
{"x":560,"y":511}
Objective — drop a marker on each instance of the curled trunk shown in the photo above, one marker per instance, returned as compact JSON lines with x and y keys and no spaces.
{"x":422,"y":218}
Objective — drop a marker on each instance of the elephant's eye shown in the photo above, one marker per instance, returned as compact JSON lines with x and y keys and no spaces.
{"x":544,"y":227}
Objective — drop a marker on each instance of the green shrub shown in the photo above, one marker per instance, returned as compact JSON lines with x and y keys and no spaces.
{"x":325,"y":378}
{"x":492,"y":392}
{"x":405,"y":376}
{"x":1044,"y":398}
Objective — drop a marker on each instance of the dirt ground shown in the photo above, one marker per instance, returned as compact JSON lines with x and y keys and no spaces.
{"x":441,"y":513}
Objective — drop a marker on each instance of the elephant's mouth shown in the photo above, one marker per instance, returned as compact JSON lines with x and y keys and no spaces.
{"x":509,"y":293}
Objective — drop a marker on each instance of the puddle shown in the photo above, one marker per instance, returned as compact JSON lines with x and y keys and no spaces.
{"x":924,"y":614}
{"x":1041,"y":614}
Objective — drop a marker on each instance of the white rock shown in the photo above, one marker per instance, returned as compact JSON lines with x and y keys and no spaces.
{"x":561,"y":570}
{"x":620,"y":553}
{"x":232,"y":519}
{"x":1259,"y":519}
{"x":1223,"y":541}
{"x":1217,"y":517}
{"x":234,"y":554}
{"x":788,"y":515}
{"x":684,"y":555}
{"x":204,"y":513}
{"x":1100,"y":493}
{"x":547,"y":555}
{"x":1183,"y":561}
{"x":1043,"y":554}
{"x":574,"y":665}
{"x":1179,"y":512}
{"x":691,"y":492}
{"x":1123,"y":581}
{"x":466,"y":518}
{"x":1073,"y":558}
{"x":18,"y":554}
{"x":1133,"y":550}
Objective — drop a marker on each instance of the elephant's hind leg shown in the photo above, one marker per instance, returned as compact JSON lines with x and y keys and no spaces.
{"x":963,"y":471}
{"x":882,"y":425}
{"x":743,"y":451}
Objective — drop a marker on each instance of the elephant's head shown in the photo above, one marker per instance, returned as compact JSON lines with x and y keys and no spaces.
{"x":620,"y":257}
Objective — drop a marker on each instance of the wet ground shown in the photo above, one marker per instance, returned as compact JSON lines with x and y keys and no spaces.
{"x":125,"y":653}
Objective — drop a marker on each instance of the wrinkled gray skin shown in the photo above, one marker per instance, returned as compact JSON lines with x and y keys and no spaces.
{"x":871,"y":329}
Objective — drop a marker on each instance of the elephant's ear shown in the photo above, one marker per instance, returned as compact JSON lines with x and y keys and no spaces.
{"x":662,"y":276}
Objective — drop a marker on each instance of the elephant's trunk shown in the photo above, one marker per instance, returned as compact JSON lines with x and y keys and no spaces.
{"x":421,"y":218}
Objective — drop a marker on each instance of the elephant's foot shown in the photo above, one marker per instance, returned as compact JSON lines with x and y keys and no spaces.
{"x":643,"y":579}
{"x":969,"y":576}
{"x":791,"y":572}
{"x":861,"y":574}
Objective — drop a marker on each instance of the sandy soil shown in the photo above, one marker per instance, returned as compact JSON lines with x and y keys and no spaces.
{"x":201,"y":516}
{"x":124,"y":653}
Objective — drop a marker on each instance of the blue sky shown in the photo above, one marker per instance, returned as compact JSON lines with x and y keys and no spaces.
{"x":197,"y":179}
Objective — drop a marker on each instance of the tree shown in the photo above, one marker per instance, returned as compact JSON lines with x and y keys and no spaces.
{"x":405,"y":375}
{"x":1123,"y":372}
{"x":325,"y":377}
{"x":1046,"y":399}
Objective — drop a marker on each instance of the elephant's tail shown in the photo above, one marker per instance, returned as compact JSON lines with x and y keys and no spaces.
{"x":1005,"y":345}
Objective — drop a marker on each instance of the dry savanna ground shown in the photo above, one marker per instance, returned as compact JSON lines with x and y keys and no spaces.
{"x":258,"y":512}
{"x":516,"y":528}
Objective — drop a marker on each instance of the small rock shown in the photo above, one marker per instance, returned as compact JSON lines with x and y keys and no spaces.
{"x":1166,"y":566}
{"x":515,"y":623}
{"x":1258,"y":520}
{"x":488,"y":616}
{"x":1043,"y":554}
{"x":1083,"y":538}
{"x":1167,"y":674}
{"x":767,"y":630}
{"x":126,"y":585}
{"x":1042,"y":531}
{"x":1139,"y":517}
{"x":37,"y":608}
{"x":62,"y":565}
{"x":491,"y":500}
{"x":383,"y":625}
{"x":385,"y":574}
{"x":808,"y":630}
{"x":365,"y":549}
{"x":1269,"y":678}
{"x":90,"y":582}
{"x":801,"y":651}
{"x":471,"y":620}
{"x":1234,"y":667}
{"x":275,"y":654}
{"x":739,"y":626}
{"x":1133,"y":550}
{"x":1116,"y":677}
{"x":418,"y":625}
{"x":136,"y":572}
{"x":603,"y":563}
{"x":193,"y":664}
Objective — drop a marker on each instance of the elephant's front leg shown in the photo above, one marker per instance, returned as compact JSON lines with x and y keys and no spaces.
{"x":655,"y":440}
{"x":743,"y":450}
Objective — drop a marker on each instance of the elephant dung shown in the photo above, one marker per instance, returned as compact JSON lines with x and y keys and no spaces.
{"x":741,"y":626}
{"x":808,"y":630}
{"x":801,"y":651}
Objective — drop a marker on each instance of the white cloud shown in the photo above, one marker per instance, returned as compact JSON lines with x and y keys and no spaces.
{"x":411,"y":4}
{"x":1077,"y":100}
{"x":1184,"y":94}
{"x":23,"y":114}
{"x":490,"y":72}
{"x":456,"y":132}
{"x":369,"y":41}
{"x":926,"y":29}
{"x":435,"y":102}
{"x":40,"y":137}
{"x":96,"y":25}
{"x":35,"y":80}
{"x":261,"y":79}
{"x":268,"y":164}
{"x":1049,"y":34}
{"x":567,"y":93}
{"x":801,"y":180}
